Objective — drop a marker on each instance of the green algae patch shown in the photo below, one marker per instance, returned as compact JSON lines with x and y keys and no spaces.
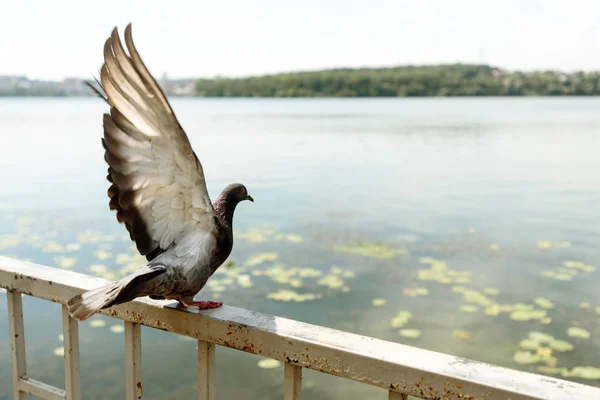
{"x":379,"y":251}
{"x":440,"y":272}
{"x":258,"y":235}
{"x":259,"y":258}
{"x":290,"y":295}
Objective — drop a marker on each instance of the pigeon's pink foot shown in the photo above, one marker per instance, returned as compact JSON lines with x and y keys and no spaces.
{"x":204,"y":305}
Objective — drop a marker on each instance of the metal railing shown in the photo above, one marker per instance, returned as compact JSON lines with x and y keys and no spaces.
{"x":399,"y":369}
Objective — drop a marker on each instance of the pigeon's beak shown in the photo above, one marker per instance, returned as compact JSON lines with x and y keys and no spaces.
{"x":248,"y":197}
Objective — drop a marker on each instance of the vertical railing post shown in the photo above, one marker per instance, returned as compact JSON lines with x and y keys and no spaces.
{"x":71,"y":355}
{"x":133,"y":361}
{"x":292,"y":382}
{"x":397,"y":396}
{"x":17,"y":341}
{"x":206,"y":371}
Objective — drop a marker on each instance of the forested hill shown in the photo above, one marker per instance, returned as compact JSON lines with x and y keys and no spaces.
{"x":438,"y":80}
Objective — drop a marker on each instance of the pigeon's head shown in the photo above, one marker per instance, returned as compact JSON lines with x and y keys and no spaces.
{"x":236,"y":193}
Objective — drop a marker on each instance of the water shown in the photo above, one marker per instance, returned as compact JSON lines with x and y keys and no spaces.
{"x":488,"y":198}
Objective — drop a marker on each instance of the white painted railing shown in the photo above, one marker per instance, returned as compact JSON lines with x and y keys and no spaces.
{"x":400,"y":369}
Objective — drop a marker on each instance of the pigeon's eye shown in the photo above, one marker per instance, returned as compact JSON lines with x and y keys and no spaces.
{"x":242,"y":190}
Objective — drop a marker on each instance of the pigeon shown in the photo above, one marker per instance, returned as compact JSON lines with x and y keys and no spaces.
{"x":158,"y":191}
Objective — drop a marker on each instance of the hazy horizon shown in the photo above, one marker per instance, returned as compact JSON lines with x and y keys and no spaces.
{"x":202,"y":40}
{"x":161,"y":75}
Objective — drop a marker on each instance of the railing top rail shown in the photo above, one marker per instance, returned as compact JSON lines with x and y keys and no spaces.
{"x":388,"y":365}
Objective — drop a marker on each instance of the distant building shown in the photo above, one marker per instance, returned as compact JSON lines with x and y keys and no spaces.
{"x":9,"y":83}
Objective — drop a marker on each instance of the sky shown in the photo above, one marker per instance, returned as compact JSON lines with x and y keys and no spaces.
{"x":64,"y":38}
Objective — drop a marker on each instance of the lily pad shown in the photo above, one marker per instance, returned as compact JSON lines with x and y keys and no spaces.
{"x":491,"y":291}
{"x":290,"y":295}
{"x":440,"y":272}
{"x":544,"y":303}
{"x":268,"y":363}
{"x":583,"y":373}
{"x":461,"y":334}
{"x":289,"y":237}
{"x":520,"y":315}
{"x":529,"y":344}
{"x":54,"y":247}
{"x":65,"y":262}
{"x":73,"y":247}
{"x":378,"y":302}
{"x":117,"y":329}
{"x":579,"y":333}
{"x":549,"y":370}
{"x":59,"y":351}
{"x":557,"y":275}
{"x":244,"y":281}
{"x":259,"y":258}
{"x":560,"y":345}
{"x":401,"y":319}
{"x":525,"y":357}
{"x":540,"y":337}
{"x":97,"y":323}
{"x":414,"y":292}
{"x":468,"y":308}
{"x":409,"y":333}
{"x":544,"y":244}
{"x":579,"y":265}
{"x":102,"y":255}
{"x":332,"y":281}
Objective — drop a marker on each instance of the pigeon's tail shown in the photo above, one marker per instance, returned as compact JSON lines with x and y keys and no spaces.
{"x":88,"y":303}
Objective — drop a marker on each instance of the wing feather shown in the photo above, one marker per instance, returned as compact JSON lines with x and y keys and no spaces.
{"x":158,"y":186}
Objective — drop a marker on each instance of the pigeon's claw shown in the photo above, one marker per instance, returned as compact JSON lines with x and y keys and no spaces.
{"x":203,"y":305}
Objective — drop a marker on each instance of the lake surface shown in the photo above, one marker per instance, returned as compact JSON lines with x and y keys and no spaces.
{"x":465,"y":226}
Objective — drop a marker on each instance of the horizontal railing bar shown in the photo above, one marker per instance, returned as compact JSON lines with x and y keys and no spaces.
{"x":396,"y":367}
{"x":41,"y":390}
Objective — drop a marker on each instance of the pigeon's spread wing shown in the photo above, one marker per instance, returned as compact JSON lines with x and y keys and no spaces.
{"x":158,"y":187}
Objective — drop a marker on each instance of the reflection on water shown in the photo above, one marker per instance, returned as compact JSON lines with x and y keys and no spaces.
{"x":464,"y":226}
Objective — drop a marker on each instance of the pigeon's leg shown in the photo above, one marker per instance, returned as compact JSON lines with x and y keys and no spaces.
{"x":202,"y":305}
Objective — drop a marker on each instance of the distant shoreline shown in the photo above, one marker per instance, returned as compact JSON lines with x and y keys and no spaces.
{"x":455,"y":80}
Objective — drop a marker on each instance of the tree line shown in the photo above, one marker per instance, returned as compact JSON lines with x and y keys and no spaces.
{"x":405,"y":81}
